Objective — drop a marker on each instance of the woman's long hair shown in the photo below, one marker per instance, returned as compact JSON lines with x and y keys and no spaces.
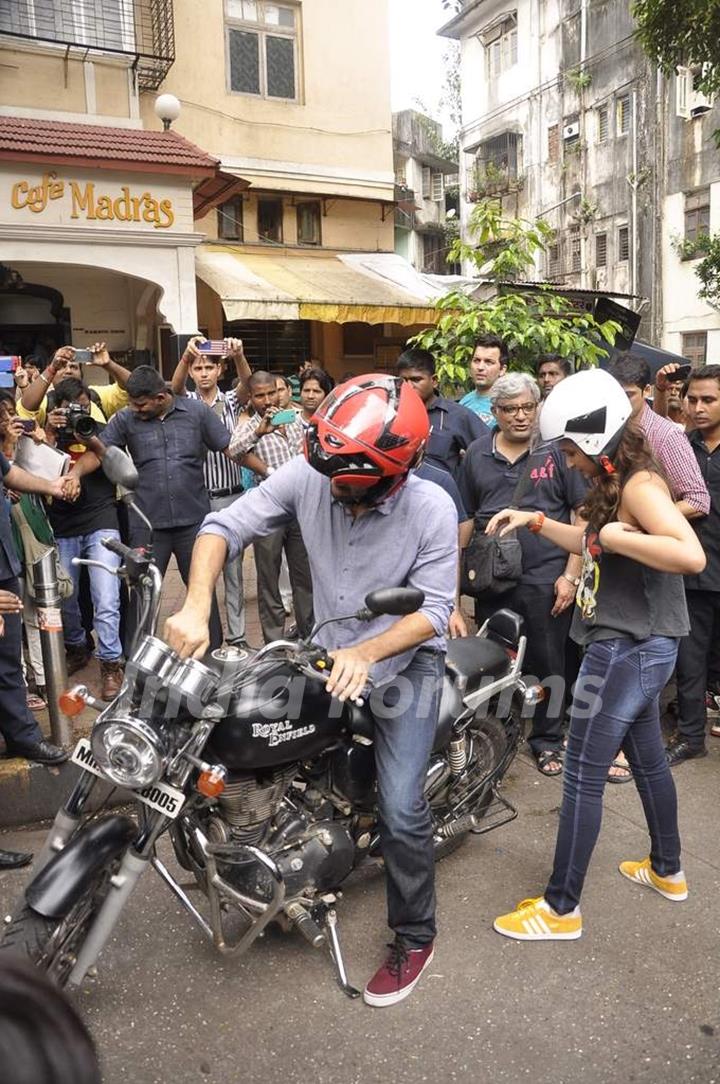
{"x":603,"y":498}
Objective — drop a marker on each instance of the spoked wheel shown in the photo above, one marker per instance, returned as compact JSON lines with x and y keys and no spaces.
{"x":53,"y":944}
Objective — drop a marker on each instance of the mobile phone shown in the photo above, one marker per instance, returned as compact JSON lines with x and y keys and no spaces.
{"x":83,"y":357}
{"x":283,"y":417}
{"x":679,"y":375}
{"x":27,"y":425}
{"x":214,"y":347}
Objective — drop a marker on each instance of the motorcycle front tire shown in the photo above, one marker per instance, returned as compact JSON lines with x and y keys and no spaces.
{"x":53,"y":944}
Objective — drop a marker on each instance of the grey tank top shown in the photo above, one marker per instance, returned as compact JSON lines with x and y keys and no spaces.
{"x":619,"y":598}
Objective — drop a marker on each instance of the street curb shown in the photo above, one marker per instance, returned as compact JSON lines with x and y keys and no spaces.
{"x":33,"y":792}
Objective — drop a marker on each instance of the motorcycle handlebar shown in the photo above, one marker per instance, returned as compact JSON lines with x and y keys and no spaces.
{"x":116,"y":547}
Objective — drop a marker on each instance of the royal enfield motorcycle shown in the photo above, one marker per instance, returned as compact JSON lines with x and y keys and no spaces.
{"x":263,"y":782}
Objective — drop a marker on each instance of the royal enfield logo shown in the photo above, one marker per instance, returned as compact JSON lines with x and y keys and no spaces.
{"x":276,"y":733}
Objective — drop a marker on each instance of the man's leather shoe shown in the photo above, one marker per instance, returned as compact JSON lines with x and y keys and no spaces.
{"x":42,"y":752}
{"x":679,"y":750}
{"x":112,"y":678}
{"x":14,"y":859}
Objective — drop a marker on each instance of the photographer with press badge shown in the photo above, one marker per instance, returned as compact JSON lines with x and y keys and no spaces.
{"x":79,"y":529}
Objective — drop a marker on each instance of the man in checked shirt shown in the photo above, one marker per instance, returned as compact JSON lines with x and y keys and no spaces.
{"x":223,"y":478}
{"x":263,"y":447}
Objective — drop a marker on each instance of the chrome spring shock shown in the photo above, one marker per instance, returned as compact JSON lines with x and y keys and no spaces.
{"x":457,"y":756}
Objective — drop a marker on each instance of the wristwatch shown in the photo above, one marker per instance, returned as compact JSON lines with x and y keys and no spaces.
{"x":574,"y":580}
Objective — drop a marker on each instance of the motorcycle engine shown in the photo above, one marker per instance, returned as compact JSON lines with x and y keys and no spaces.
{"x":248,"y":804}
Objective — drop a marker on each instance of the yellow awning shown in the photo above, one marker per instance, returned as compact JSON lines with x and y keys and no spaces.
{"x":332,"y":289}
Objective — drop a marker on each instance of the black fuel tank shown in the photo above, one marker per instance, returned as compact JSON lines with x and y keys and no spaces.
{"x":281,"y":718}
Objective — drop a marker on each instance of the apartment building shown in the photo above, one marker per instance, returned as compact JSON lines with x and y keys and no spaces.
{"x":566,"y":119}
{"x":425,"y":189}
{"x":277,"y":173}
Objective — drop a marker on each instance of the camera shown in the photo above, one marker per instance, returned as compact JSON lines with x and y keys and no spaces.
{"x":78,"y":420}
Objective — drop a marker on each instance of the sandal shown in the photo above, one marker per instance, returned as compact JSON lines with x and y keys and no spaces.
{"x":548,"y":757}
{"x":35,"y":702}
{"x":715,"y":730}
{"x":623,"y":766}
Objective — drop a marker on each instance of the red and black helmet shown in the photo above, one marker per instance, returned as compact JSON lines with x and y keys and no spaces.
{"x":368,"y":433}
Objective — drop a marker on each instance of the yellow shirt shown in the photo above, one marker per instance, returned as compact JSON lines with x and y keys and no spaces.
{"x":112,"y":398}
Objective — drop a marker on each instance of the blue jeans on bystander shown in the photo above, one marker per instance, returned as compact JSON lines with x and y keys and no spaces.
{"x":104,"y":591}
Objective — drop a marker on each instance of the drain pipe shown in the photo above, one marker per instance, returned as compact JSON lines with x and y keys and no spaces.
{"x":49,"y":619}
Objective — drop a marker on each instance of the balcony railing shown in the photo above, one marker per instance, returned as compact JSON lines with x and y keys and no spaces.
{"x":142,"y":30}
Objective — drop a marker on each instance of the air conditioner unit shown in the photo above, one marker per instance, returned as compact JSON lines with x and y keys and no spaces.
{"x":571,"y":131}
{"x":700,"y":104}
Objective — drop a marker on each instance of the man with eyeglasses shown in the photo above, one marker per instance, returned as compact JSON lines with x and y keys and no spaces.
{"x":499,"y":470}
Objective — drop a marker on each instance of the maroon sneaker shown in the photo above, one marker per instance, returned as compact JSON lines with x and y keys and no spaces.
{"x":398,"y":976}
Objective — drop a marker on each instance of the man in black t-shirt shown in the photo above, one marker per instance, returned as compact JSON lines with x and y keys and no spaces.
{"x":499,"y":471}
{"x":79,"y":530}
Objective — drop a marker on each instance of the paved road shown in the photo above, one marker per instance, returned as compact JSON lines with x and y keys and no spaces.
{"x":636,"y":999}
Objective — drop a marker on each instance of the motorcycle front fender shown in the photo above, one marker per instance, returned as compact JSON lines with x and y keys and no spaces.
{"x":61,"y":883}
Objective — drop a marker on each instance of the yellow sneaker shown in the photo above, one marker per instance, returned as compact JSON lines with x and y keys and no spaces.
{"x":672,"y":888}
{"x":535,"y":920}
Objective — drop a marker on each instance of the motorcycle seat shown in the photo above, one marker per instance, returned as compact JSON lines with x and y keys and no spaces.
{"x":474,"y":659}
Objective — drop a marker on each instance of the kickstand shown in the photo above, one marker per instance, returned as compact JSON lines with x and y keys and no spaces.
{"x":336,"y":955}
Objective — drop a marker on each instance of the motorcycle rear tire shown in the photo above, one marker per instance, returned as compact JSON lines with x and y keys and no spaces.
{"x":30,"y":934}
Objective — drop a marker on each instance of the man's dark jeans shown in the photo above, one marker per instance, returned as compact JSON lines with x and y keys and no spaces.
{"x":177,"y":542}
{"x":17,"y":724}
{"x":402,"y":750}
{"x":545,"y":657}
{"x":696,"y":651}
{"x":626,"y":678}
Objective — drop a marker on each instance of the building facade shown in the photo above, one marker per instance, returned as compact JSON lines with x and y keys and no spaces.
{"x":285,"y":236}
{"x":566,"y":119}
{"x":426,"y":187}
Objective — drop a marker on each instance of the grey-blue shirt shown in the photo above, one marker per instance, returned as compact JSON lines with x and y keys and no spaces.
{"x":410,"y":540}
{"x":169,"y":453}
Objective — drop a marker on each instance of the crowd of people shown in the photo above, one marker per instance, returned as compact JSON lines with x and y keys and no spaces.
{"x":579,"y":485}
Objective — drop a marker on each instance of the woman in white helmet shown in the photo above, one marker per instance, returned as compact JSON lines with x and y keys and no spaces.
{"x":630,"y":616}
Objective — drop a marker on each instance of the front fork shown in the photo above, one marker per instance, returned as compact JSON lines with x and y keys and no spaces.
{"x":66,"y":822}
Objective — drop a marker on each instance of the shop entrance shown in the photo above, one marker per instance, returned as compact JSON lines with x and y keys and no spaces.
{"x":33,"y":318}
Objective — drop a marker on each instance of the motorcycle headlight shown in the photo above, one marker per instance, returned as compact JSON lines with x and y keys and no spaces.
{"x":130,"y":752}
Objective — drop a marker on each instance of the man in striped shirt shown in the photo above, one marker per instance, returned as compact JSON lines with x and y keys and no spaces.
{"x":263,"y":447}
{"x":222,"y":477}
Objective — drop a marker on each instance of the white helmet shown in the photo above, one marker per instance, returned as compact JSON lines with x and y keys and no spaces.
{"x":589,"y":408}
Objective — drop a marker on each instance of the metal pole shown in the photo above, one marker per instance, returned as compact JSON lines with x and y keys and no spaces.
{"x":49,"y":619}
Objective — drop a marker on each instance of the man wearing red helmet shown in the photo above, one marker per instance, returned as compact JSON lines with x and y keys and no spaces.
{"x":367,"y":523}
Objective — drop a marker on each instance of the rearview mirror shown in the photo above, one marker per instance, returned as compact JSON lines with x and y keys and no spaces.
{"x":397,"y":601}
{"x":119,"y":468}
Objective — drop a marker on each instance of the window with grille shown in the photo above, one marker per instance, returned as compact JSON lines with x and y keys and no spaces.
{"x":622,"y":109}
{"x":601,"y":250}
{"x":270,"y":219}
{"x":501,"y":154}
{"x":99,"y":24}
{"x":697,"y":215}
{"x":554,"y":259}
{"x":694,"y":347}
{"x":308,"y":223}
{"x":602,"y":121}
{"x":501,"y":46}
{"x":262,"y":48}
{"x":437,"y":187}
{"x":230,"y":219}
{"x":553,"y":143}
{"x":575,"y":250}
{"x":623,"y":244}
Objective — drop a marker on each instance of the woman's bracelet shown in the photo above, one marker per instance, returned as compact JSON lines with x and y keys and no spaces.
{"x":536,"y":525}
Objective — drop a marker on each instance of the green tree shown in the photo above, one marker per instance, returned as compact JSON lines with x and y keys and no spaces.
{"x":532,"y":323}
{"x":675,"y":34}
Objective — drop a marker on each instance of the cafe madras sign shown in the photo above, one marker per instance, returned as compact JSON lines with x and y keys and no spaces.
{"x":89,"y":202}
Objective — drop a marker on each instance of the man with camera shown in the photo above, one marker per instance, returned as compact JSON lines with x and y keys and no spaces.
{"x":38,"y":397}
{"x":79,"y":530}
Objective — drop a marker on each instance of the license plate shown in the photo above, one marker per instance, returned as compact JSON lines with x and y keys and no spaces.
{"x":159,"y":796}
